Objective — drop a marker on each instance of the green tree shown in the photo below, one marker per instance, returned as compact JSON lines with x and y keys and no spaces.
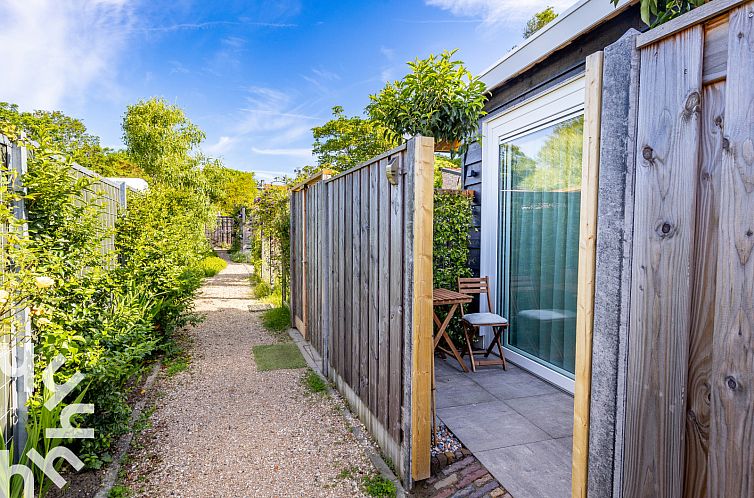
{"x":162,"y":141}
{"x":229,"y":189}
{"x":539,"y":21}
{"x":69,"y":137}
{"x":443,"y":162}
{"x":344,"y":142}
{"x":439,"y":98}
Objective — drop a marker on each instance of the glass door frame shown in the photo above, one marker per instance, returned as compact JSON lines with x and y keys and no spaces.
{"x":562,"y":102}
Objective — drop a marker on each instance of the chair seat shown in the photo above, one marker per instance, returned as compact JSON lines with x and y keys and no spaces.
{"x":547,"y":315}
{"x":484,"y":319}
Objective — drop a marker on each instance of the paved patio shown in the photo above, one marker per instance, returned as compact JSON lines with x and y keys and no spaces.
{"x":517,"y":425}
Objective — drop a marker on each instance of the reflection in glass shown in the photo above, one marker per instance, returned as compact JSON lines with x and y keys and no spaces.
{"x":541,"y":195}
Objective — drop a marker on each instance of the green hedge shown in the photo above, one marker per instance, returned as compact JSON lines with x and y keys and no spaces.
{"x":108,"y":315}
{"x":212,"y":265}
{"x":452,"y":227}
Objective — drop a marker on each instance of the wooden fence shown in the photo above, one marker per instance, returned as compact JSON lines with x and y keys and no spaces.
{"x":361,"y":293}
{"x":689,"y":381}
{"x":223,"y":233}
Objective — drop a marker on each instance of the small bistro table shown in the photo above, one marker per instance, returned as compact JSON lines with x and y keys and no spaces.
{"x":444,"y":297}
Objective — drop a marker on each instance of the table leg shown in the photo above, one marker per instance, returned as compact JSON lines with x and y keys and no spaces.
{"x":442,"y":326}
{"x":441,"y":333}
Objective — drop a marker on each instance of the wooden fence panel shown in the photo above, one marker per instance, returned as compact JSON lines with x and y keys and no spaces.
{"x":689,"y":397}
{"x":668,"y":134}
{"x":732,"y":380}
{"x":376,"y":282}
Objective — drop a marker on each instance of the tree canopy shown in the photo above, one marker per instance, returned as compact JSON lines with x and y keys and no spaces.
{"x":229,"y":189}
{"x":539,"y":21}
{"x":69,"y":137}
{"x":439,"y":98}
{"x":162,"y":140}
{"x":344,"y":142}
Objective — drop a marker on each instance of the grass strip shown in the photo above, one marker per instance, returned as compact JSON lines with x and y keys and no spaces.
{"x":278,"y":357}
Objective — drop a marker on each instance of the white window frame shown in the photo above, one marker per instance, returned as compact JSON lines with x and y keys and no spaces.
{"x":562,"y":100}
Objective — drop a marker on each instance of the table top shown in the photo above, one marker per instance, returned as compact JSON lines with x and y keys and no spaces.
{"x":441,"y":297}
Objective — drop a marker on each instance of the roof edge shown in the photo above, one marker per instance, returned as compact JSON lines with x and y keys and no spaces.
{"x":575,"y":21}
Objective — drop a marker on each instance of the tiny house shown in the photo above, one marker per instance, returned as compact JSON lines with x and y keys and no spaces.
{"x":527,"y":180}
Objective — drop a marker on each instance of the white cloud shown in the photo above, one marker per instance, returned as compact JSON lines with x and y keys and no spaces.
{"x":294,"y":152}
{"x":190,"y":26}
{"x":223,"y":144}
{"x":388,"y":53}
{"x":269,"y":110}
{"x":496,"y":12}
{"x":56,"y":51}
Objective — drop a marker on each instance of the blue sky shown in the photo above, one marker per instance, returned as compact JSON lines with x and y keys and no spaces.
{"x":254,"y":75}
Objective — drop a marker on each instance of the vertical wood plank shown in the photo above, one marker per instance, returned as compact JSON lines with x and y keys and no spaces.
{"x":374,"y":304}
{"x":421,"y":330}
{"x":586,"y":276}
{"x":396,"y":307}
{"x":339,"y":251}
{"x":668,"y":154}
{"x":294,"y":260}
{"x":305,"y":259}
{"x":731,"y":452}
{"x":364,"y":296}
{"x":328,"y":293}
{"x":348,"y":277}
{"x":383,"y":290}
{"x":356,"y":284}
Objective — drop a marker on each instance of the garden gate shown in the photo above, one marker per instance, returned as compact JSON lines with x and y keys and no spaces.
{"x":685,"y":402}
{"x":361,"y":291}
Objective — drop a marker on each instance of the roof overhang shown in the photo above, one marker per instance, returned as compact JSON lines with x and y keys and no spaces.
{"x":580,"y":18}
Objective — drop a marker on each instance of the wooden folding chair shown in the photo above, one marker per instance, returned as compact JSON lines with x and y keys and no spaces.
{"x":473,"y":321}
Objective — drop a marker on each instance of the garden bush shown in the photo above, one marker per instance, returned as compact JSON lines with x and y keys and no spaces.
{"x":240,"y":256}
{"x":262,"y":289}
{"x":212,"y":265}
{"x":108,"y":314}
{"x":452,"y":226}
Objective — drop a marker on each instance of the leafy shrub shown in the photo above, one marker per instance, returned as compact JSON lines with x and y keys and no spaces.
{"x":212,"y":265}
{"x":277,"y":319}
{"x":452,"y":225}
{"x":240,"y":256}
{"x":262,"y":289}
{"x":108,"y":315}
{"x":378,"y":486}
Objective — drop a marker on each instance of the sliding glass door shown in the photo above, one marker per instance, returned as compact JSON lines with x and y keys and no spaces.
{"x":540,"y":198}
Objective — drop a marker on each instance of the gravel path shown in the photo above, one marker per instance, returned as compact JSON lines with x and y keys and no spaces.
{"x":222,"y":429}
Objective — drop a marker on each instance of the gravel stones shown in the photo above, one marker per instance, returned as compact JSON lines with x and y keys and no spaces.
{"x":224,"y":429}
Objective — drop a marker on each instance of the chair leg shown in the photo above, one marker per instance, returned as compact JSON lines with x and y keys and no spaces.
{"x":470,"y":348}
{"x":500,"y":346}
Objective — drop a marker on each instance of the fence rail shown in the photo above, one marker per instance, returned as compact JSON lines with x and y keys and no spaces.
{"x":361,"y":277}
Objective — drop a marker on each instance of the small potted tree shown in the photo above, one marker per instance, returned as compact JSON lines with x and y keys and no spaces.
{"x":439,"y":98}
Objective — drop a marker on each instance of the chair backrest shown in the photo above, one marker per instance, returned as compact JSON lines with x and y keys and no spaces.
{"x":480,"y":285}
